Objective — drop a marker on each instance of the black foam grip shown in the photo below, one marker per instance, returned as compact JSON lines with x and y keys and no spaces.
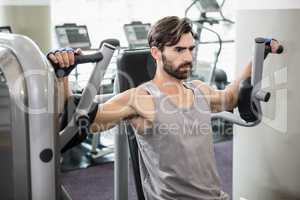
{"x":246,"y":107}
{"x":79,"y":59}
{"x":96,"y":57}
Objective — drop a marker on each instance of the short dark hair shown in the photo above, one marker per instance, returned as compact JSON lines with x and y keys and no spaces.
{"x":168,"y":31}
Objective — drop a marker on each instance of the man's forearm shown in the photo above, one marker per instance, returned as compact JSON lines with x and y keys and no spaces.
{"x":64,"y":91}
{"x":245,"y":73}
{"x":233,"y":88}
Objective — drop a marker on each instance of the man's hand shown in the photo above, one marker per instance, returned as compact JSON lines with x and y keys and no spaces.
{"x":272,"y":46}
{"x":63,"y":59}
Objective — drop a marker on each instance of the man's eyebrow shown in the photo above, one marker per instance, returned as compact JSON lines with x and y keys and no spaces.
{"x":182,"y":47}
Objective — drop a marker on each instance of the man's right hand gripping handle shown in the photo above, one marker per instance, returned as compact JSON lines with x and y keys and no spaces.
{"x":63,"y":60}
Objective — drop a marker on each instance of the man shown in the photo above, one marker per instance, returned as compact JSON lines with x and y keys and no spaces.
{"x":171,"y":117}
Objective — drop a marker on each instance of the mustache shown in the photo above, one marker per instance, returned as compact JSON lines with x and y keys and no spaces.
{"x":185,"y":65}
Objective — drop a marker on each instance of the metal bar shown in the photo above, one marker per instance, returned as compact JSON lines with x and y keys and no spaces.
{"x":257,"y":71}
{"x":121,"y":159}
{"x":91,"y":89}
{"x":88,"y":94}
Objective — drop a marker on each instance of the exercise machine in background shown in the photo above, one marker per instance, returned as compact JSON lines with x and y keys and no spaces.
{"x":73,"y":36}
{"x":136,"y":33}
{"x":206,"y":7}
{"x":92,"y":150}
{"x":222,"y":130}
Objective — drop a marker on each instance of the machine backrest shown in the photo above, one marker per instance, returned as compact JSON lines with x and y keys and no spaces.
{"x":134,"y":68}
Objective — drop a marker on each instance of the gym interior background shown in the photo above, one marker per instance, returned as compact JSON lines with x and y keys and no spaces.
{"x":254,"y":163}
{"x":97,"y":14}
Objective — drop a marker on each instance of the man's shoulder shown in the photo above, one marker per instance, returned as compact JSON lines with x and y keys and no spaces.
{"x":202,"y":86}
{"x":142,"y":89}
{"x":143,"y":101}
{"x":197,"y":82}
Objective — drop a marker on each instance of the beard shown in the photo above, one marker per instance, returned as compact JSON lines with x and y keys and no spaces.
{"x":176,"y":72}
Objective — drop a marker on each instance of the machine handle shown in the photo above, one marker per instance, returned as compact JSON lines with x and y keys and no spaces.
{"x":79,"y":59}
{"x":228,"y":116}
{"x":268,"y":48}
{"x":251,"y":93}
{"x":262,"y":95}
{"x":80,"y":119}
{"x":91,"y":58}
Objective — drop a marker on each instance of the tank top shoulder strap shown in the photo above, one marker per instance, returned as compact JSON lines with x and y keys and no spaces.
{"x":152,"y":89}
{"x":191,"y":86}
{"x":199,"y":95}
{"x":194,"y":87}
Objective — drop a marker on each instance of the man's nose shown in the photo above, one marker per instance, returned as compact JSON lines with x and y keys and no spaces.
{"x":188,"y":56}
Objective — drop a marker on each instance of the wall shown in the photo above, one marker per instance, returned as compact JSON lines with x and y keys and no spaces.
{"x":30,"y":18}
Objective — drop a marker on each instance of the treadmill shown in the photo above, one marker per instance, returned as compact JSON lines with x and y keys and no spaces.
{"x":73,"y":35}
{"x":136,"y":33}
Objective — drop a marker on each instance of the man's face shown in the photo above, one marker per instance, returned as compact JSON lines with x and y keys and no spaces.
{"x":177,"y":59}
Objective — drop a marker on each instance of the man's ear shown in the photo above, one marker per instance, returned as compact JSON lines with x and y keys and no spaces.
{"x":155,"y":52}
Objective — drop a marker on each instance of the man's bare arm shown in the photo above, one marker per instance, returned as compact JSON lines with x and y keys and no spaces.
{"x":113,"y":111}
{"x":64,"y":92}
{"x":220,"y":100}
{"x":63,"y":59}
{"x":227,"y":99}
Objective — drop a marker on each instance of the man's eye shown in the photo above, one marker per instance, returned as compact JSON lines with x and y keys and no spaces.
{"x":179,"y":50}
{"x":192,"y":48}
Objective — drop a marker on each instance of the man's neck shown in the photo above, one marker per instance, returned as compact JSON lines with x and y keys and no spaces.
{"x":167,"y":83}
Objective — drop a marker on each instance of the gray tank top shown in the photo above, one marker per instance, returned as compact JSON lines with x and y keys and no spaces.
{"x":176,"y":155}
